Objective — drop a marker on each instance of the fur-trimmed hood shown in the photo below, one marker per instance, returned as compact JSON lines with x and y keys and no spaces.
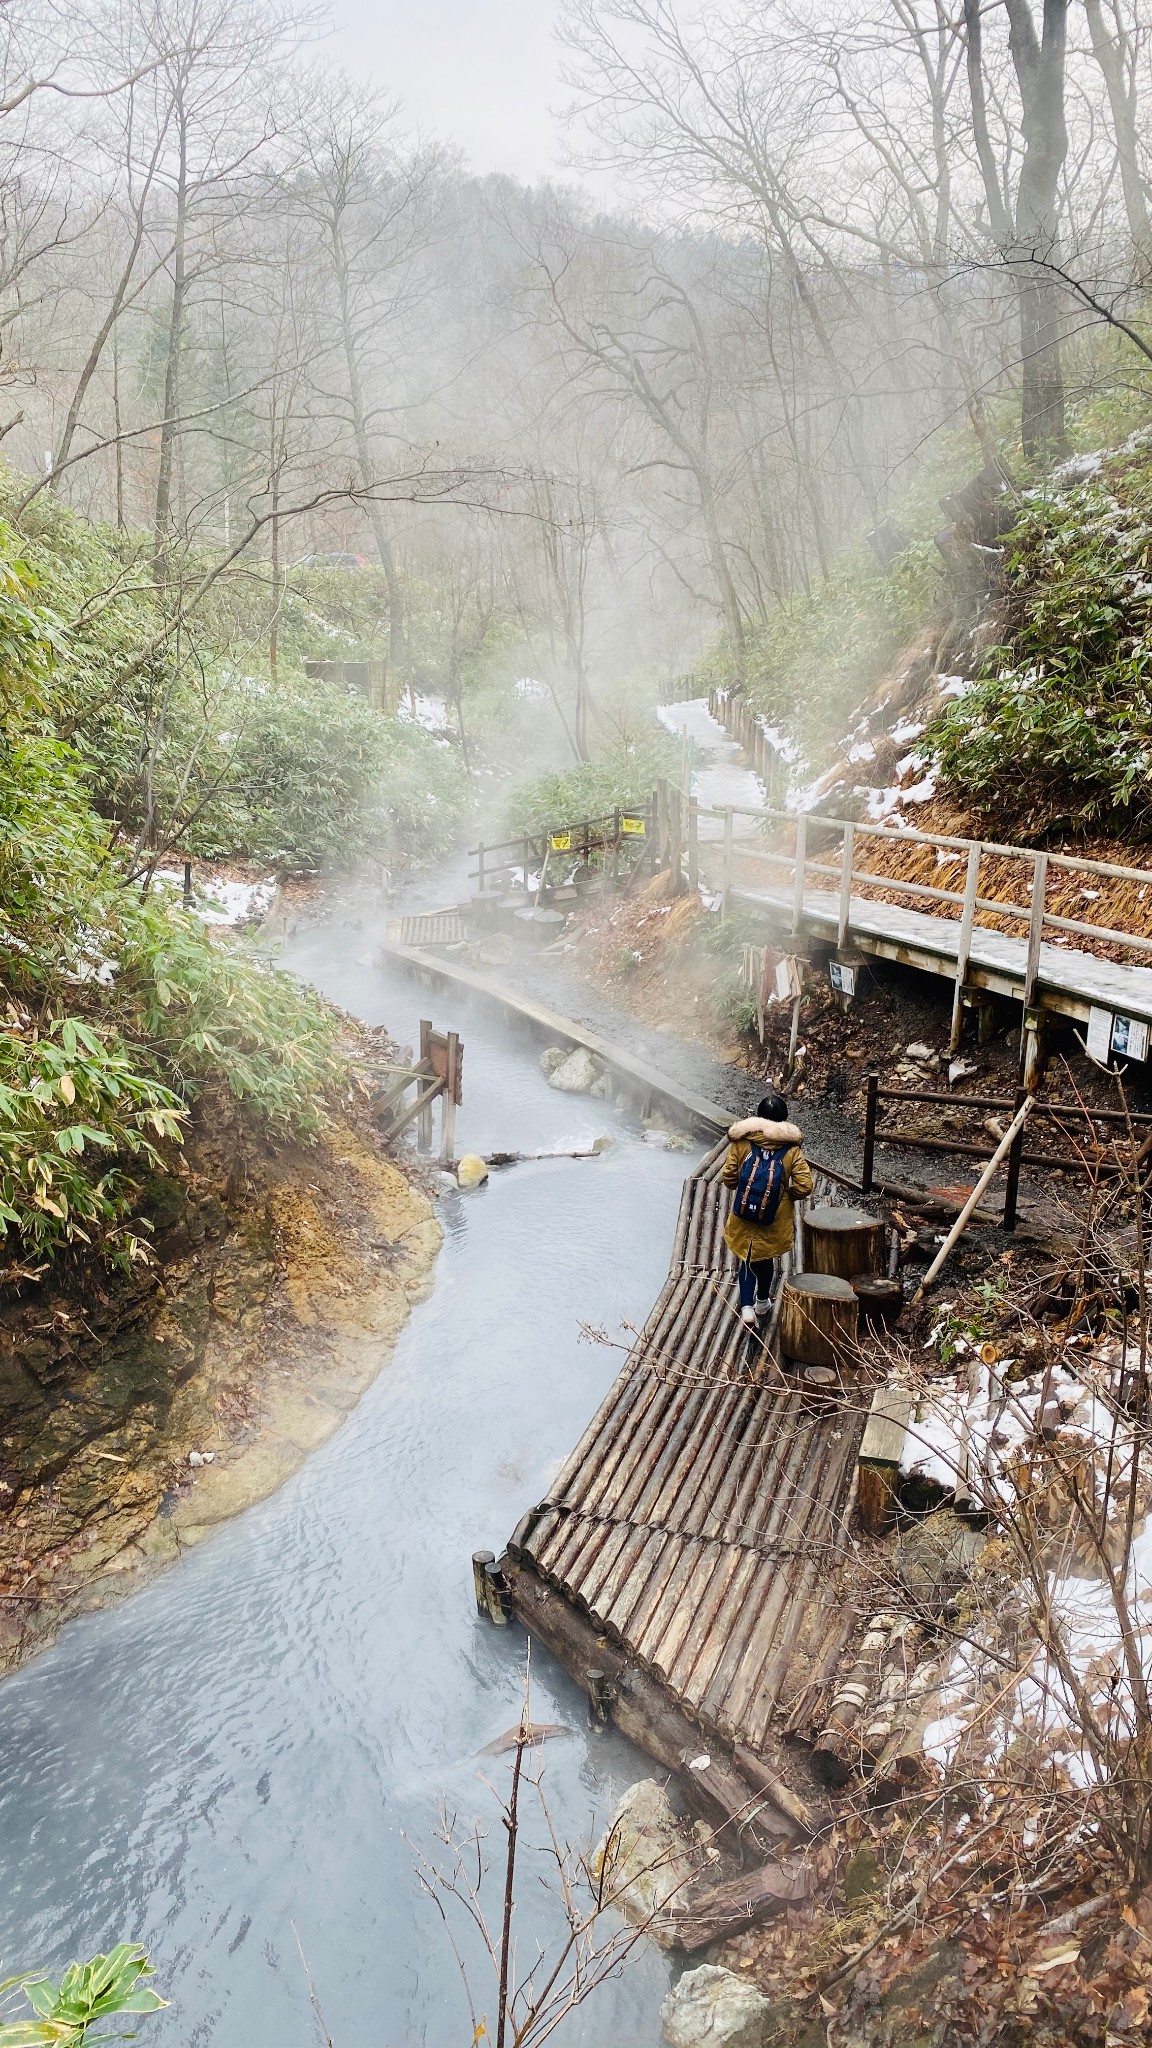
{"x":763,"y":1132}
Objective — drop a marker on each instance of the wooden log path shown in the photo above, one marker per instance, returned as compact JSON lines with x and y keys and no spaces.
{"x":701,"y":1522}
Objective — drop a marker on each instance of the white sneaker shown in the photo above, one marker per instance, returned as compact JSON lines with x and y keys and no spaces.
{"x":748,"y":1318}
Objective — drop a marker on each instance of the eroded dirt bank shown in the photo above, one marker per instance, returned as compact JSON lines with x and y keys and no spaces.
{"x":138,"y":1413}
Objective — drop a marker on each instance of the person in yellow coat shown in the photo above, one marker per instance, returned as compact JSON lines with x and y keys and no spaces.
{"x":765,"y":1168}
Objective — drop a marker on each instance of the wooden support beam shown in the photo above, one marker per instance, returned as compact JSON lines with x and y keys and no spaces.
{"x":845,"y":887}
{"x":799,"y":860}
{"x":964,"y":947}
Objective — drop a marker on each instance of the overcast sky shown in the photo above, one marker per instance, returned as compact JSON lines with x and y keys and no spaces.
{"x":480,"y":73}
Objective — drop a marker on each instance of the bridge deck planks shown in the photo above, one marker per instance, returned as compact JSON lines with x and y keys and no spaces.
{"x":701,"y":1519}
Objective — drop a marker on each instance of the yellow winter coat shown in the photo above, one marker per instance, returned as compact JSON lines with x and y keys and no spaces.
{"x":747,"y":1240}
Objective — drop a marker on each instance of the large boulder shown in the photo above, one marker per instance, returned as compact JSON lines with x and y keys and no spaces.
{"x":578,"y":1074}
{"x":647,"y":1860}
{"x":554,"y":1056}
{"x":711,"y":2008}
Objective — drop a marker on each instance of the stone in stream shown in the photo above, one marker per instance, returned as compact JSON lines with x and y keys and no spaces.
{"x":471,"y":1170}
{"x":713,"y":2008}
{"x":647,"y":1860}
{"x":578,"y":1074}
{"x":554,"y":1056}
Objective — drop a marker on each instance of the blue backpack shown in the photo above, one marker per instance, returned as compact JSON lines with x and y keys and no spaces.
{"x":760,"y":1184}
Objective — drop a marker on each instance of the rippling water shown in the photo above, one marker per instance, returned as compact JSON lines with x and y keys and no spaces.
{"x":267,"y":1732}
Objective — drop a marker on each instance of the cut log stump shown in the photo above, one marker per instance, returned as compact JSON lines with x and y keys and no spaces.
{"x":880,"y":1300}
{"x":818,"y":1319}
{"x":843,"y":1241}
{"x":727,"y":1909}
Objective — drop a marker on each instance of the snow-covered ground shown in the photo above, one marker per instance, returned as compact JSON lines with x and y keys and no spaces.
{"x":718,"y":778}
{"x":224,"y":903}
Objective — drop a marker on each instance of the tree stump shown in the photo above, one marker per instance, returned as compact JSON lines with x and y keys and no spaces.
{"x":818,"y":1318}
{"x":843,"y":1241}
{"x":880,"y":1300}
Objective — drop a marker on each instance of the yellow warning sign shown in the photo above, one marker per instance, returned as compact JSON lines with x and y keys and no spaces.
{"x":634,"y":825}
{"x":560,"y":842}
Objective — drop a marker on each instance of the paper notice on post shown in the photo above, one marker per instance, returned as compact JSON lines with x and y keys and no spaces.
{"x":1098,"y":1037}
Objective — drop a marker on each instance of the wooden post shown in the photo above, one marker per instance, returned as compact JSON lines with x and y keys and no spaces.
{"x":424,"y":1122}
{"x":1015,"y":1152}
{"x":693,"y":845}
{"x":481,"y":1559}
{"x":188,"y":885}
{"x":964,"y":947}
{"x":1016,"y":1124}
{"x":450,"y":1098}
{"x":871,"y":1102}
{"x":1035,"y":928}
{"x":845,"y":888}
{"x":726,"y":900}
{"x":675,"y":839}
{"x":794,"y":1033}
{"x":480,"y":867}
{"x":801,"y":855}
{"x":1029,"y":1048}
{"x":498,"y":1604}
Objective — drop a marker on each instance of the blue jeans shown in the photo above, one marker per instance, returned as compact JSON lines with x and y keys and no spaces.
{"x":754,"y":1277}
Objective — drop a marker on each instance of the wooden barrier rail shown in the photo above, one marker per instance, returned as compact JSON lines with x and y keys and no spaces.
{"x":439,"y":1074}
{"x":613,"y":832}
{"x":876,"y":1133}
{"x":846,"y":876}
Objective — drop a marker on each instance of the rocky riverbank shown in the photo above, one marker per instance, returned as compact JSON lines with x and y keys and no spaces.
{"x":137,"y":1414}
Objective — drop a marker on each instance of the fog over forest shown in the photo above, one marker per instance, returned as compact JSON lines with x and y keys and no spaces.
{"x":247,"y":311}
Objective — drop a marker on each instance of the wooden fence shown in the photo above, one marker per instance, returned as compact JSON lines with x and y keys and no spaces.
{"x":1085,"y":1154}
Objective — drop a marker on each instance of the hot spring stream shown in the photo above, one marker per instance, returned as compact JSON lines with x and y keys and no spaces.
{"x":267,"y":1733}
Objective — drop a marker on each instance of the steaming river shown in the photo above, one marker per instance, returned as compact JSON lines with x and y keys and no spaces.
{"x":267,"y":1732}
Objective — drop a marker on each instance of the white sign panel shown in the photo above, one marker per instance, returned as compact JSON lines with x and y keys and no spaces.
{"x":787,"y":979}
{"x":843,"y":978}
{"x":1098,"y":1038}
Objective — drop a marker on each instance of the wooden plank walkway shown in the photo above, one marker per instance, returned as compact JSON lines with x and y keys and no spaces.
{"x":1069,"y":982}
{"x":708,"y":1118}
{"x":701,"y":1521}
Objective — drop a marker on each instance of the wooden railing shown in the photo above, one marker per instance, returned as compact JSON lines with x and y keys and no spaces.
{"x":845,"y":874}
{"x":614,"y":833}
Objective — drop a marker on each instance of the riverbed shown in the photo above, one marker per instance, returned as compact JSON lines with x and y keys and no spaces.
{"x":267,"y":1734}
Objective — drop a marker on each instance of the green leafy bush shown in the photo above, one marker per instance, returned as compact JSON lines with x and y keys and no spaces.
{"x":73,"y":1112}
{"x":1056,"y":734}
{"x":119,"y":1010}
{"x":86,"y":1994}
{"x":814,"y":657}
{"x":625,"y":775}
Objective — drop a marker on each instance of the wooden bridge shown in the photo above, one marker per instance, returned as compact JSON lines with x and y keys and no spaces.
{"x":694,"y":1548}
{"x":823,"y":890}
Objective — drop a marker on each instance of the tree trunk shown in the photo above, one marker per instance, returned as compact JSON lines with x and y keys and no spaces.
{"x":1112,"y":51}
{"x":1040,"y":72}
{"x":162,"y":527}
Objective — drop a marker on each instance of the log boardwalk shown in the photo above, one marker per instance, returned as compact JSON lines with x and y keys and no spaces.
{"x":700,"y":1525}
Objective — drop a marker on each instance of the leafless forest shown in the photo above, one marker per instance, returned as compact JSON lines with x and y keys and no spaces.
{"x":246,"y":309}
